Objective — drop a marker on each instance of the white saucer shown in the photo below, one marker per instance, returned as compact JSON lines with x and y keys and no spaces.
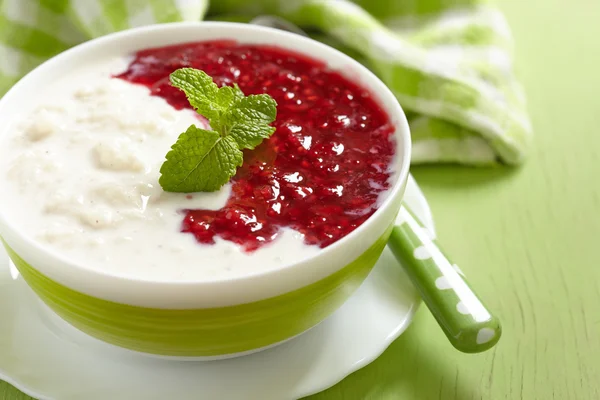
{"x":48,"y":359}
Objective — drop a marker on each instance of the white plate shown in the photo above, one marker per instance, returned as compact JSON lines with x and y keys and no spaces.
{"x":48,"y":359}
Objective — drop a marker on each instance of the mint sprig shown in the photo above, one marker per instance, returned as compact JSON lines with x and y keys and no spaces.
{"x":204,"y":160}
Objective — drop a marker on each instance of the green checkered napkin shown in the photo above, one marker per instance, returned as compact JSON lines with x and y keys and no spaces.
{"x":447,"y":61}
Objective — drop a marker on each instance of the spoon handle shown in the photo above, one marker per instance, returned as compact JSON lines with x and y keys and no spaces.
{"x":466,"y":321}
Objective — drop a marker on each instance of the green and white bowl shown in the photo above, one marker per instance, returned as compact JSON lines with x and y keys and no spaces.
{"x":208,"y":318}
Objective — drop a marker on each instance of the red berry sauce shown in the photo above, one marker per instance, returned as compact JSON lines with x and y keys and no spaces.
{"x":321,"y":172}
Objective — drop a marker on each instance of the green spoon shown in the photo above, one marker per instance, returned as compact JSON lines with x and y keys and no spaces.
{"x":466,"y":321}
{"x":468,"y":324}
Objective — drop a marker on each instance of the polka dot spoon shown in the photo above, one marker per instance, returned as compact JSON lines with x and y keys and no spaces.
{"x":468,"y":324}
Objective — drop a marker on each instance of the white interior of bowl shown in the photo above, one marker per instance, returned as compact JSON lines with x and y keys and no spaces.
{"x":205,"y":293}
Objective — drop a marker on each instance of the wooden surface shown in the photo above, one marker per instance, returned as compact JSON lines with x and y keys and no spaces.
{"x":528,"y":239}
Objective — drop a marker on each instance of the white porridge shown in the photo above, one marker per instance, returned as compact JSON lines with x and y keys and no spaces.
{"x":82,"y":169}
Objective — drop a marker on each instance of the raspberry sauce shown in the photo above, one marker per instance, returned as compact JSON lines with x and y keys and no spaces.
{"x":322,"y":171}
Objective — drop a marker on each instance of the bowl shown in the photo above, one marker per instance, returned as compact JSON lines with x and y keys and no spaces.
{"x":205,"y":318}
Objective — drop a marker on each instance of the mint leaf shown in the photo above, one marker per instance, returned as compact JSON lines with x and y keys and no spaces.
{"x":200,"y":161}
{"x":227,"y":95}
{"x":203,"y":160}
{"x":255,"y":108}
{"x":201,"y":92}
{"x":248,"y":136}
{"x":249,"y":119}
{"x":196,"y":84}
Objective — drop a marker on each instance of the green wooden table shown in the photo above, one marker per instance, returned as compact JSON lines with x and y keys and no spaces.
{"x":527,"y":238}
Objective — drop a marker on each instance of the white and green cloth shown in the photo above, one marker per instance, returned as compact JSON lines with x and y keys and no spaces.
{"x":447,"y":61}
